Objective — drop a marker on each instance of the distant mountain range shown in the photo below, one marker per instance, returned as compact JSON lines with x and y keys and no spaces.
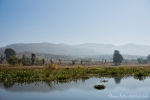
{"x":49,"y":48}
{"x":128,"y":49}
{"x":81,"y":49}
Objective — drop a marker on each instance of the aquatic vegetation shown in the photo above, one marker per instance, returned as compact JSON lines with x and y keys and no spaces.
{"x":104,"y":81}
{"x":140,"y":74}
{"x":141,"y":78}
{"x":113,"y":73}
{"x":63,"y":77}
{"x":50,"y":74}
{"x":8,"y":84}
{"x":85,"y":77}
{"x":100,"y":87}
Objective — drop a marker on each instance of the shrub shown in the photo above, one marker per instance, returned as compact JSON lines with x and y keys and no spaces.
{"x":13,"y":60}
{"x":52,"y":66}
{"x":80,"y":67}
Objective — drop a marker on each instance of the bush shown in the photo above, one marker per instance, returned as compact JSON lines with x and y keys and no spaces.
{"x":80,"y":67}
{"x":52,"y":66}
{"x":12,"y":60}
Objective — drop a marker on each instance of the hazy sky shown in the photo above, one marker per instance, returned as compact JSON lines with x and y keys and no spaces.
{"x":75,"y":21}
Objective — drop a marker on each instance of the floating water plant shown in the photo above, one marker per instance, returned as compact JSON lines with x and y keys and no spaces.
{"x":140,"y":74}
{"x":100,"y":87}
{"x":85,"y":77}
{"x":104,"y":81}
{"x":50,"y":73}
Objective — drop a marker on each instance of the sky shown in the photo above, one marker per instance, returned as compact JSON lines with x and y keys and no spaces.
{"x":74,"y":22}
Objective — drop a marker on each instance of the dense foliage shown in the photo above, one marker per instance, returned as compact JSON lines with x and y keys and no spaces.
{"x":148,"y":58}
{"x":13,"y":60}
{"x":117,"y":58}
{"x":142,"y":61}
{"x":33,"y":57}
{"x":9,"y":52}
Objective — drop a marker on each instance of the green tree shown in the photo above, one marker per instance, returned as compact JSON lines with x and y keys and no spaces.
{"x":81,"y":61}
{"x":28,"y":61}
{"x":37,"y":61}
{"x":59,"y":61}
{"x":24,"y":61}
{"x":145,"y":61}
{"x":43,"y":61}
{"x":33,"y":57}
{"x":148,"y":58}
{"x":9,"y":52}
{"x":142,"y":61}
{"x":89,"y":60}
{"x":73,"y":62}
{"x":120,"y":59}
{"x":13,"y":60}
{"x":51,"y":61}
{"x":2,"y":58}
{"x":139,"y":60}
{"x":117,"y":58}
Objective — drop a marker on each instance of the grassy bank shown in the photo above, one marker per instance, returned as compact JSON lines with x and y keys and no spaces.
{"x":46,"y":74}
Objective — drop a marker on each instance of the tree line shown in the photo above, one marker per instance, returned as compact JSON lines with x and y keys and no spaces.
{"x":10,"y":56}
{"x":143,"y":61}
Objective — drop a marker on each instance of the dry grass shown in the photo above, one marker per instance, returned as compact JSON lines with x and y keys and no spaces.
{"x":23,"y":67}
{"x":52,"y":66}
{"x":72,"y":66}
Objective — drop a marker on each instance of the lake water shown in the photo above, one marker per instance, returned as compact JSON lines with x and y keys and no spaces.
{"x":116,"y":89}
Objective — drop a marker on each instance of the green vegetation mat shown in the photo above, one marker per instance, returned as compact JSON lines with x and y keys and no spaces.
{"x":32,"y":75}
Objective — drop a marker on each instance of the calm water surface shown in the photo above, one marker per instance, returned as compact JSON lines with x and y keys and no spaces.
{"x":116,"y":89}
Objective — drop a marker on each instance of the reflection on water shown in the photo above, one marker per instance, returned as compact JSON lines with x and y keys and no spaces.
{"x":117,"y":80}
{"x":84,"y":79}
{"x":51,"y":84}
{"x":8,"y":84}
{"x":141,"y":78}
{"x":76,"y":89}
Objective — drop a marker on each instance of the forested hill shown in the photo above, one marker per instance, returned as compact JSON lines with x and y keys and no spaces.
{"x":81,"y":49}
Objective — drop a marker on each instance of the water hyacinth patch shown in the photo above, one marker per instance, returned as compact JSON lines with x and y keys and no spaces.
{"x":18,"y":75}
{"x":100,"y":87}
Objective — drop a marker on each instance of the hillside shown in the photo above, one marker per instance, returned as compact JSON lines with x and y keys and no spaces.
{"x":49,"y":48}
{"x":81,"y":49}
{"x":128,"y":49}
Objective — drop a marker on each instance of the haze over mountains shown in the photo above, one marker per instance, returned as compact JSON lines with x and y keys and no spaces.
{"x":81,"y":49}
